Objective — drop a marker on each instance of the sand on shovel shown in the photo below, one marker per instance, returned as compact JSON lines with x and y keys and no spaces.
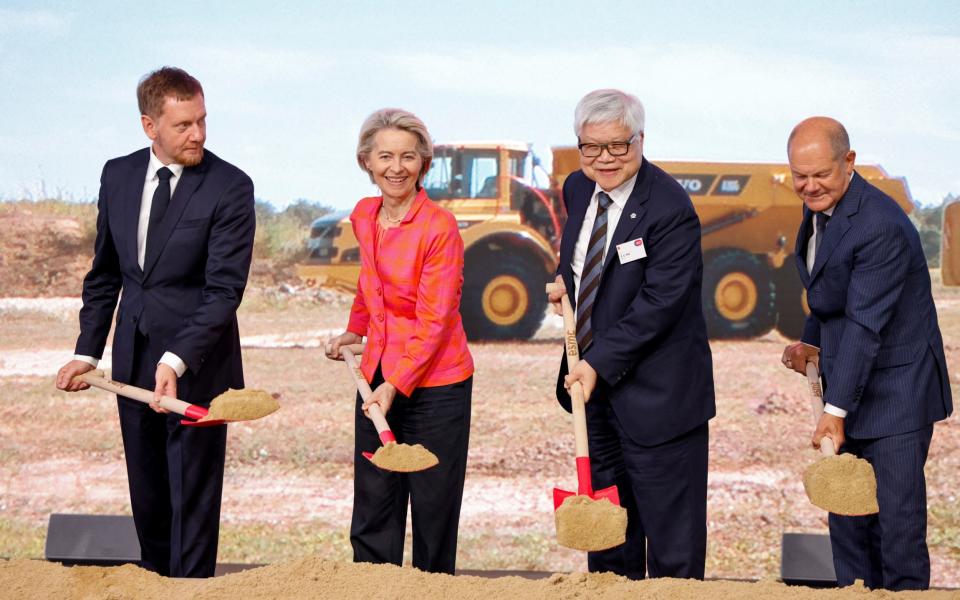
{"x":587,"y":524}
{"x":404,"y":458}
{"x":241,"y":405}
{"x":842,"y":484}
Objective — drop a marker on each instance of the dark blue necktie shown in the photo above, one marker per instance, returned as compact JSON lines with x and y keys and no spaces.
{"x":590,"y":276}
{"x":821,"y":225}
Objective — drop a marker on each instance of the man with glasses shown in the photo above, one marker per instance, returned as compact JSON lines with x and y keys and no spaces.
{"x":630,"y":263}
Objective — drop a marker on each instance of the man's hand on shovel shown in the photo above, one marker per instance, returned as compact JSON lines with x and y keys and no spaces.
{"x":829,"y":426}
{"x":166,"y":385}
{"x":798,"y":354}
{"x":587,"y":377}
{"x":555,"y":293}
{"x":67,"y":376}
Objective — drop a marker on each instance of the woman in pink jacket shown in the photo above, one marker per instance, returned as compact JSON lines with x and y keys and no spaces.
{"x":416,"y":358}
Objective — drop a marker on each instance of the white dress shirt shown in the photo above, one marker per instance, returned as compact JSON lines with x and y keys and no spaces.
{"x":146,"y":203}
{"x":811,"y":258}
{"x":618,"y":197}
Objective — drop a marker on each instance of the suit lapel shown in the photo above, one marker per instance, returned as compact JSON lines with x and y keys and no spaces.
{"x":800,"y":249}
{"x":632,"y":214}
{"x":188,"y":184}
{"x":132,"y":199}
{"x":576,"y":212}
{"x":839,"y":224}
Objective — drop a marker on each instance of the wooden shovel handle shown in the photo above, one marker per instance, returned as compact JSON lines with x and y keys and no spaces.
{"x":97,"y":379}
{"x":577,"y":402}
{"x":816,"y":405}
{"x":376,"y":415}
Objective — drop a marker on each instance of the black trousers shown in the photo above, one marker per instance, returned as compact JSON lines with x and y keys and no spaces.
{"x":175,"y":475}
{"x":439,"y":418}
{"x":663,"y":488}
{"x":888,"y":550}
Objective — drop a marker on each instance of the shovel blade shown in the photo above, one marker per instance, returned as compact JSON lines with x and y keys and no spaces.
{"x":559,"y":496}
{"x":367,"y":455}
{"x":609,"y":493}
{"x":210,"y":423}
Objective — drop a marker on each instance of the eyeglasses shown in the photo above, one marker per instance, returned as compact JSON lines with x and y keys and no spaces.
{"x":614,"y":148}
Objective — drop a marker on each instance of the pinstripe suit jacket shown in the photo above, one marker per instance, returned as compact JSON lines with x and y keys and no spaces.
{"x":873,"y":317}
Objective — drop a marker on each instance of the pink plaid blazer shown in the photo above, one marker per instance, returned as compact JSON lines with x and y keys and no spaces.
{"x":408,"y":297}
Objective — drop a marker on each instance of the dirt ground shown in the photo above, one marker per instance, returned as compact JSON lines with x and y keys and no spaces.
{"x":314,"y":578}
{"x":288,"y":487}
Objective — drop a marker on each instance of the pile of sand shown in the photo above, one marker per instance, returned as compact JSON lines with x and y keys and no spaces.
{"x":404,"y":458}
{"x":320,"y":579}
{"x":241,"y":405}
{"x":842,"y":484}
{"x":587,"y":524}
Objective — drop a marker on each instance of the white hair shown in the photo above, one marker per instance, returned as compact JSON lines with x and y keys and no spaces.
{"x":605,"y":106}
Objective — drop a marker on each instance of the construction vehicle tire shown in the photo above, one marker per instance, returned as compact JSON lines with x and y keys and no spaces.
{"x":738,"y":295}
{"x":503,"y":297}
{"x":791,"y":300}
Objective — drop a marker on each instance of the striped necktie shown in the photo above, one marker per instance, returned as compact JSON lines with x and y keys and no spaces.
{"x":590,"y":276}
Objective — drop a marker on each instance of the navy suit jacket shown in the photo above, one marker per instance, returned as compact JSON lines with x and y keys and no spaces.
{"x":649,"y":345}
{"x":186,"y":295}
{"x":873,"y":317}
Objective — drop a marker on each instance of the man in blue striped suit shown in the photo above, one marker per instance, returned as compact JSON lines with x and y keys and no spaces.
{"x":873,"y":326}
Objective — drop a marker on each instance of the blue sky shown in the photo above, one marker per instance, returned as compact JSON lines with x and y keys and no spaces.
{"x":288,"y":83}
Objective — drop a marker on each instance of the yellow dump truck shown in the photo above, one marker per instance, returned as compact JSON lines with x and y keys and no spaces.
{"x":511,"y":227}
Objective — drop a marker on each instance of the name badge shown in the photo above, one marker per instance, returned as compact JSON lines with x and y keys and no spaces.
{"x":631,"y":251}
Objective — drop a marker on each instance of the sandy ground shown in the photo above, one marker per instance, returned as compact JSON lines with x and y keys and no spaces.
{"x":288,"y":487}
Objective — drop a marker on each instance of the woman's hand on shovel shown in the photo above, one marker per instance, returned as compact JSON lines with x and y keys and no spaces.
{"x":66,"y":376}
{"x":332,"y":347}
{"x":382,"y":396}
{"x":829,"y":426}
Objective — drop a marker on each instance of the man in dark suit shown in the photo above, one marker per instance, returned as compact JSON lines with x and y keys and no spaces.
{"x":175,"y":234}
{"x":631,"y":264}
{"x":873,"y":329}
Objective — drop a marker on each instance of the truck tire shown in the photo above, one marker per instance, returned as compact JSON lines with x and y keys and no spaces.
{"x":791,"y":300}
{"x":503,"y":297}
{"x":738,"y":295}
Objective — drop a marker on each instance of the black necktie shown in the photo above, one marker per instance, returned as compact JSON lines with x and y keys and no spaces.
{"x":821,"y":225}
{"x":161,"y":199}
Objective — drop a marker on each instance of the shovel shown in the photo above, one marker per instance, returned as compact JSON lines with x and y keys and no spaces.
{"x":97,"y":378}
{"x":841,"y":484}
{"x":584,"y":479}
{"x":408,"y":458}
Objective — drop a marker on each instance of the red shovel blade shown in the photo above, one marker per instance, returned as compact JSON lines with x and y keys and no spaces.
{"x":559,"y":496}
{"x":586,"y":487}
{"x":196,"y":413}
{"x":210,"y":423}
{"x":609,"y":493}
{"x":386,"y":437}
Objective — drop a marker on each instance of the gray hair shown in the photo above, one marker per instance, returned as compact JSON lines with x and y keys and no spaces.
{"x":605,"y":106}
{"x":394,"y":118}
